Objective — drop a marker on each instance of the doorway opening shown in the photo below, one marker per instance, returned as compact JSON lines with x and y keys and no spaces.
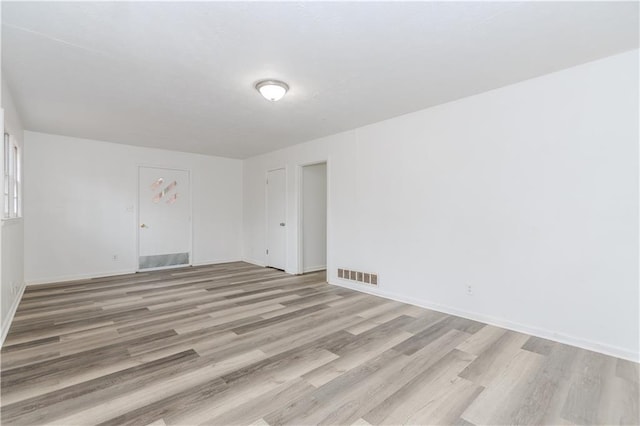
{"x":313,"y":218}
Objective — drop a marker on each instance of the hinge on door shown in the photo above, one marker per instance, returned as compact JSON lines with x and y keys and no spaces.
{"x":267,"y":251}
{"x":267,"y":181}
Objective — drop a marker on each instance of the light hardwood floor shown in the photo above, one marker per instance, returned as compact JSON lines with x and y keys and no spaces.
{"x":239,"y":344}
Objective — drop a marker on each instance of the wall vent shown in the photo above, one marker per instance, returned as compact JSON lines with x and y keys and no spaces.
{"x":361,"y":277}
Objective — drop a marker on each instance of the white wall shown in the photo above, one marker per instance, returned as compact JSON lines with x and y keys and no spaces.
{"x":528,"y":193}
{"x":12,"y":230}
{"x":314,"y":217}
{"x":80,"y":198}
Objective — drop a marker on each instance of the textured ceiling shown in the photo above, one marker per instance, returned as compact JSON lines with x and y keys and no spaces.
{"x":180,"y":75}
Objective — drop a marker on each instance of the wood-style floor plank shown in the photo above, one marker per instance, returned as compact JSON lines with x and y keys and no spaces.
{"x":237,"y":344}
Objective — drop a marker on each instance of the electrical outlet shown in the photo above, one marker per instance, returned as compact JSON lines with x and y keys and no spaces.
{"x":114,"y":257}
{"x":469,"y":290}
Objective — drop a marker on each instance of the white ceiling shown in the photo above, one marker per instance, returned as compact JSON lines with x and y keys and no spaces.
{"x":180,"y":75}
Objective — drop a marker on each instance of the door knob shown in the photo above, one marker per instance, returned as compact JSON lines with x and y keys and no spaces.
{"x":143,"y":226}
{"x":281,"y":223}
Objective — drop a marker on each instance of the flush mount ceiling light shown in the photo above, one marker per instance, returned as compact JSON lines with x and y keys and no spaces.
{"x":272,"y":90}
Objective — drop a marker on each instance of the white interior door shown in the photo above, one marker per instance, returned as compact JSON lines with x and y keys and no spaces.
{"x":164,"y":206}
{"x":276,"y":219}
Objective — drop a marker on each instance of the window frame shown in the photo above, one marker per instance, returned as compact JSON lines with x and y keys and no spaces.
{"x":6,"y":184}
{"x":12,"y":179}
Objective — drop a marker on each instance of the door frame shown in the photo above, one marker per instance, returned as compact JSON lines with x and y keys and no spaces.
{"x":300,"y":214}
{"x":137,"y":215}
{"x":266,"y":215}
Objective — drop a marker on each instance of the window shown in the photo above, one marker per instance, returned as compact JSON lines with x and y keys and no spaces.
{"x":12,"y":197}
{"x":5,"y":184}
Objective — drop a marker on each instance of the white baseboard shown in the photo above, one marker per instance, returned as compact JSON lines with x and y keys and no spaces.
{"x":77,"y":277}
{"x":314,"y":268}
{"x":11,"y":314}
{"x":502,"y":323}
{"x":254,"y":262}
{"x":264,"y":265}
{"x":217,"y":261}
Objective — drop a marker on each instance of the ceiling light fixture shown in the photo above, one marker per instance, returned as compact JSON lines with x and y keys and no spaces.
{"x":272,"y":90}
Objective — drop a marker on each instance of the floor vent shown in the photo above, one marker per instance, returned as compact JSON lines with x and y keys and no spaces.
{"x":362,"y":277}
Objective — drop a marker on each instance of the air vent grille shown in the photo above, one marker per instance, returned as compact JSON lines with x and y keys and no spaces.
{"x":361,"y":277}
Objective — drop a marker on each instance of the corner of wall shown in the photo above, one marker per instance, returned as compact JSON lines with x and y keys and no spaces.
{"x":6,"y":322}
